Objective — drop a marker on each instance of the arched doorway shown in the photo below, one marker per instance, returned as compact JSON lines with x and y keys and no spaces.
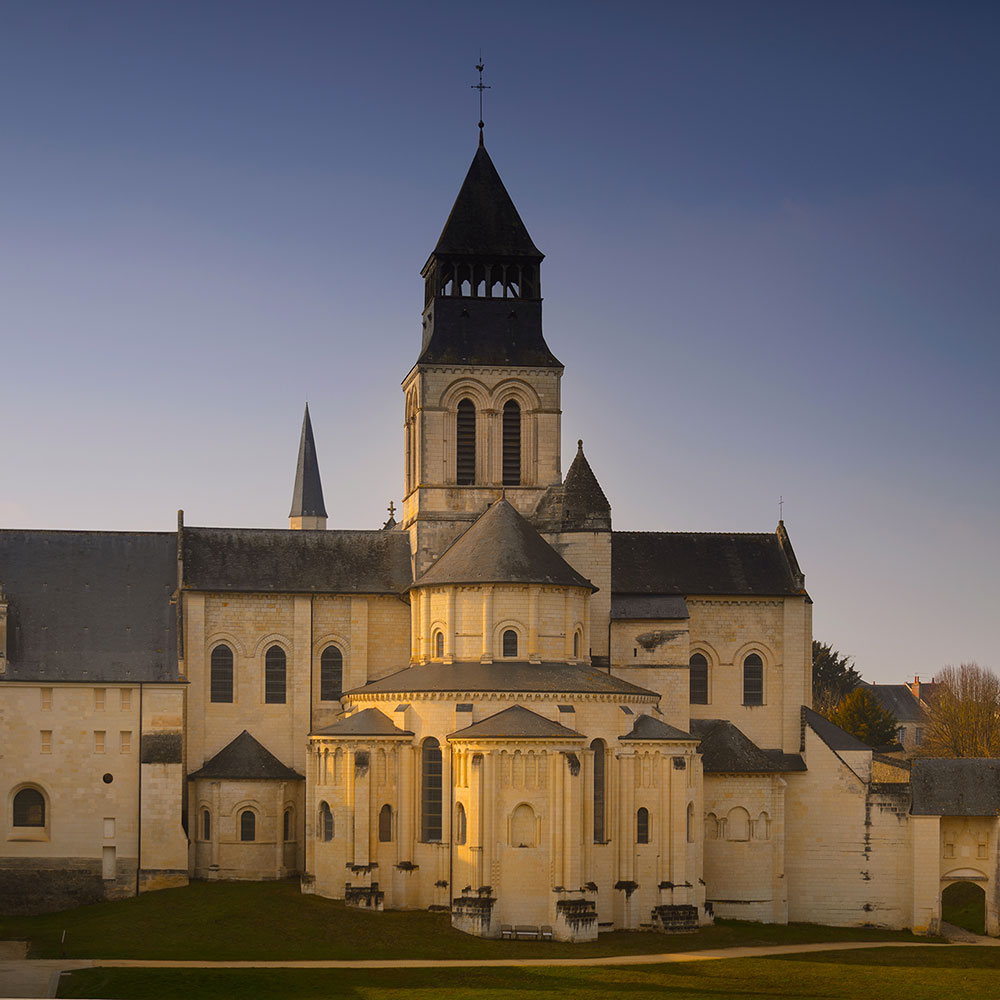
{"x":964,"y":905}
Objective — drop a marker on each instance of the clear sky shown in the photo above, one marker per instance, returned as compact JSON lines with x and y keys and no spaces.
{"x":772,"y":233}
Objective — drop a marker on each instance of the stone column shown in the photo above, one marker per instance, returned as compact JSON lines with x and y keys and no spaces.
{"x":487,"y":656}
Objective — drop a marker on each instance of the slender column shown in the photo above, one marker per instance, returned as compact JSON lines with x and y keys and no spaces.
{"x":534,"y":596}
{"x":279,"y":834}
{"x":404,"y":826}
{"x":567,"y":626}
{"x":487,"y":656}
{"x":425,"y":617}
{"x":451,"y":626}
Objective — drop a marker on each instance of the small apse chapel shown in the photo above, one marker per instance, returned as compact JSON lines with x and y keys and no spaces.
{"x":499,"y":706}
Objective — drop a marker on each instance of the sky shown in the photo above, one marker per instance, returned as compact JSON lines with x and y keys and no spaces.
{"x":772,"y":238}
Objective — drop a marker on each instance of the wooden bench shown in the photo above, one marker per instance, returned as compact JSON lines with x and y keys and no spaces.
{"x":546,"y":932}
{"x":506,"y":932}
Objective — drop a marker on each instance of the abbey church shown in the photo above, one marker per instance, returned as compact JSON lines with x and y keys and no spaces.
{"x":500,"y":706}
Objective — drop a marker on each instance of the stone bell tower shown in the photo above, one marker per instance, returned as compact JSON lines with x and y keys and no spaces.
{"x":483,"y":399}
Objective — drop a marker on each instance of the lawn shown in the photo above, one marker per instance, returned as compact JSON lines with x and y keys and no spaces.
{"x":232,"y":921}
{"x":915,"y":973}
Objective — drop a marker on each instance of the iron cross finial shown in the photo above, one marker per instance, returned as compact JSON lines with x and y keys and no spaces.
{"x":481,"y":87}
{"x":391,"y":508}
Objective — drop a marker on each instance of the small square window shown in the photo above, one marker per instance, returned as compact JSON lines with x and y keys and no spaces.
{"x":99,"y":735}
{"x":125,"y":741}
{"x":46,"y":699}
{"x":126,"y":699}
{"x":46,"y":741}
{"x":99,"y":697}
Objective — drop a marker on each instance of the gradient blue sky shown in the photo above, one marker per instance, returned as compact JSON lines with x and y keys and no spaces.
{"x":772,"y":235}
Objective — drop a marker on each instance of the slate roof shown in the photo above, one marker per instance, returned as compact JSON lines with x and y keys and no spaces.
{"x":370,"y":722}
{"x":669,"y":562}
{"x":307,"y":494}
{"x":648,"y":728}
{"x":832,"y":735}
{"x":965,"y":787}
{"x":483,"y":220}
{"x":504,"y":675}
{"x":898,"y":699}
{"x":282,"y":561}
{"x":648,"y":607}
{"x":90,"y":605}
{"x":577,"y":504}
{"x":244,"y":759}
{"x":725,"y":749}
{"x":516,"y":722}
{"x":501,"y":547}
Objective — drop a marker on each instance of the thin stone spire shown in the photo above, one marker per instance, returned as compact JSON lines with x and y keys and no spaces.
{"x":308,"y":508}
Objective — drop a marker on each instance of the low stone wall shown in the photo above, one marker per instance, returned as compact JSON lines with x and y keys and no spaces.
{"x":47,"y":885}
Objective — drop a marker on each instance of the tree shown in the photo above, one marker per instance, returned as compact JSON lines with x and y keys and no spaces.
{"x":963,"y":713}
{"x":860,"y":714}
{"x":834,"y":677}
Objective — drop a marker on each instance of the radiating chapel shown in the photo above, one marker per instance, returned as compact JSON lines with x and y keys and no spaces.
{"x":499,"y":706}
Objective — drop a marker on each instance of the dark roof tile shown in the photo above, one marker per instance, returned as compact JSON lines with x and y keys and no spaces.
{"x":830,"y":733}
{"x":968,"y":786}
{"x":370,"y":722}
{"x":725,"y":749}
{"x":244,"y":759}
{"x":648,"y":607}
{"x":516,"y":722}
{"x":648,"y":728}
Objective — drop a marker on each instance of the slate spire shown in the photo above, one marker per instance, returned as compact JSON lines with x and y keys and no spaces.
{"x":308,"y":510}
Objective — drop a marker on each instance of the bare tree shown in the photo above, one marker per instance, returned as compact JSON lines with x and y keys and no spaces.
{"x":964,"y":713}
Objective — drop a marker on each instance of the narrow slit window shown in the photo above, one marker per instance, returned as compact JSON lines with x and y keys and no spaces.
{"x":598,"y":747}
{"x":385,"y":824}
{"x":642,"y":826}
{"x":430,"y":791}
{"x":439,"y":644}
{"x":325,"y":822}
{"x":206,"y":825}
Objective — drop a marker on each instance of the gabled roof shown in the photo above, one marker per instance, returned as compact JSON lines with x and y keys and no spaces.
{"x":244,"y":759}
{"x":502,"y":676}
{"x":370,"y":722}
{"x":832,"y":735}
{"x":968,"y":786}
{"x":690,"y":563}
{"x":91,"y":606}
{"x":726,"y":750}
{"x":283,"y":561}
{"x":577,"y":504}
{"x":483,"y":220}
{"x":501,"y":547}
{"x":648,"y":728}
{"x":898,"y":699}
{"x":307,"y":496}
{"x":516,"y":722}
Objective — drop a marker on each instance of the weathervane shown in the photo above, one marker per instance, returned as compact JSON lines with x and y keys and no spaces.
{"x":480,"y":87}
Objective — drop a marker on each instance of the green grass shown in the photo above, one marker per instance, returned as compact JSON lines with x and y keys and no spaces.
{"x":916,"y":974}
{"x":233,"y":921}
{"x":964,"y":905}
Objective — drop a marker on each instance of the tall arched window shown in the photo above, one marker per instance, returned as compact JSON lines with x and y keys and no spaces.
{"x":642,"y":826}
{"x":465,"y":438}
{"x":206,"y":825}
{"x":274,"y":676}
{"x":222,"y":674}
{"x":286,"y":825}
{"x":753,"y":680}
{"x":325,"y":824}
{"x":511,"y":443}
{"x":576,"y":645}
{"x":510,"y":643}
{"x":523,"y":829}
{"x":439,"y":644}
{"x":599,"y":750}
{"x":461,"y":825}
{"x":248,"y":825}
{"x":331,"y":674}
{"x":29,"y":808}
{"x":430,"y":790}
{"x":385,"y":824}
{"x":690,"y":823}
{"x":698,"y":676}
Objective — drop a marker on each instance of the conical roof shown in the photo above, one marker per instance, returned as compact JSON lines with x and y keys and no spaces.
{"x":244,"y":759}
{"x":483,"y":219}
{"x":577,"y":504}
{"x":516,"y":722}
{"x":307,"y":496}
{"x":501,"y":547}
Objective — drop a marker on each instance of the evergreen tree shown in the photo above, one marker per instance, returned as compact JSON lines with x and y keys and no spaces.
{"x":860,"y":714}
{"x":834,"y":677}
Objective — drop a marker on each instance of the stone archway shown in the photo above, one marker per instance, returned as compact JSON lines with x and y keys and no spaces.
{"x":964,"y":905}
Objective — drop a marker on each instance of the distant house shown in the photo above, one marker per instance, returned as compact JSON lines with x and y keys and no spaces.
{"x":909,"y":713}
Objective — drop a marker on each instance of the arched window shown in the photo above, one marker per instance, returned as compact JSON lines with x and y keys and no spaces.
{"x":642,"y":826}
{"x":753,"y":680}
{"x":522,"y":826}
{"x":465,"y":439}
{"x":331,"y":674}
{"x":511,"y":443}
{"x":222,"y":674}
{"x":430,"y":790}
{"x":286,"y":825}
{"x":274,"y":676}
{"x":206,"y":825}
{"x":248,"y":825}
{"x":439,"y":644}
{"x":510,"y":643}
{"x":711,"y":827}
{"x":690,"y":823}
{"x":29,"y":808}
{"x":460,"y":824}
{"x":599,"y":760}
{"x":385,"y":824}
{"x":698,"y":676}
{"x":576,"y":645}
{"x":324,"y":828}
